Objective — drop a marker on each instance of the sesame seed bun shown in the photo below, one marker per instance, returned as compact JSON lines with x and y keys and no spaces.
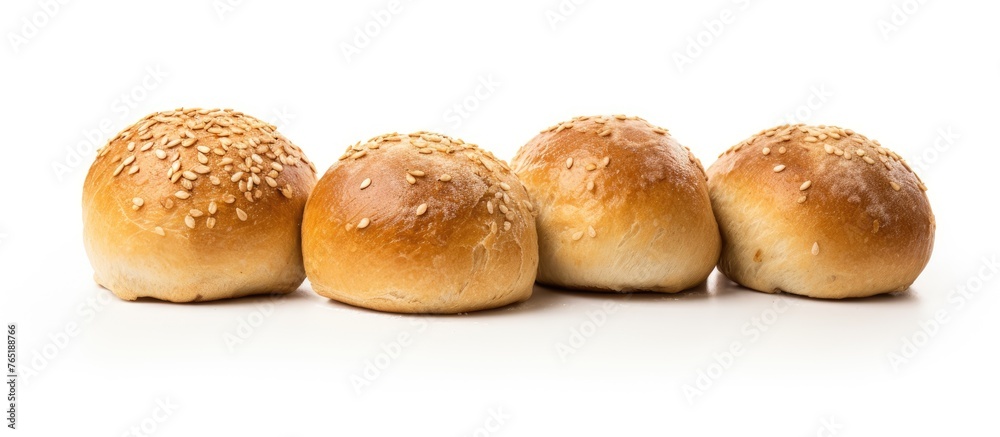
{"x":622,"y":207}
{"x":196,"y":205}
{"x":820,"y":211}
{"x":420,"y":223}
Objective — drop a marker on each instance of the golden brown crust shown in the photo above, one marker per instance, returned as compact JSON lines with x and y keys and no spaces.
{"x":196,"y":204}
{"x":420,"y":223}
{"x":820,"y":211}
{"x":622,"y":206}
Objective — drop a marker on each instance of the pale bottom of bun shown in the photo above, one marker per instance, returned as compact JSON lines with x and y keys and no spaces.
{"x":131,"y":285}
{"x":620,"y":288}
{"x":608,"y":268}
{"x":398,"y":301}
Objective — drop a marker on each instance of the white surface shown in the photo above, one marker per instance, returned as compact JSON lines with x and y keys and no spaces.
{"x":818,"y":362}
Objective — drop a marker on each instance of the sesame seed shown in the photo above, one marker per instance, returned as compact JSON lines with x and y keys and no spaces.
{"x":828,"y":148}
{"x":196,"y":213}
{"x":805,"y":185}
{"x":894,"y":185}
{"x":204,"y":149}
{"x":604,"y":133}
{"x":276,"y":166}
{"x":422,"y":209}
{"x":445,"y":177}
{"x":173,"y":143}
{"x":591,"y":231}
{"x":605,"y":161}
{"x":159,"y":231}
{"x":416,"y":173}
{"x":228,"y":198}
{"x":577,"y":235}
{"x":137,"y":202}
{"x":766,"y":151}
{"x":591,"y":167}
{"x":869,"y":160}
{"x":527,"y":204}
{"x":505,"y":186}
{"x":815,"y":248}
{"x":359,"y":155}
{"x":131,"y":146}
{"x":810,"y":139}
{"x":620,"y":117}
{"x":133,"y":170}
{"x":214,"y":180}
{"x":782,"y":150}
{"x":409,"y":178}
{"x":202,"y":158}
{"x":569,"y":162}
{"x":182,"y":194}
{"x":160,"y":153}
{"x":236,"y":176}
{"x":168,"y":203}
{"x":493,"y":227}
{"x":210,"y":222}
{"x":189,"y":221}
{"x":590,"y":186}
{"x":659,"y":131}
{"x":506,"y":225}
{"x":189,"y":175}
{"x":212,"y":208}
{"x":802,"y":199}
{"x":489,"y":206}
{"x":287,"y":191}
{"x":241,"y":214}
{"x":860,"y":152}
{"x":503,"y":209}
{"x":270,"y":181}
{"x":187,"y":184}
{"x":129,"y":160}
{"x":202,"y":169}
{"x":189,"y":142}
{"x":364,"y":223}
{"x":365,"y":183}
{"x":778,"y":168}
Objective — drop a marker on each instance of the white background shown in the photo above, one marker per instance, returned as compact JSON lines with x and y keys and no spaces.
{"x":924,"y":82}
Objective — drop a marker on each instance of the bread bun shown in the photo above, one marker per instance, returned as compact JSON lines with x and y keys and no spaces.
{"x":622,"y":207}
{"x":420,"y":223}
{"x":195,"y":205}
{"x":820,"y":211}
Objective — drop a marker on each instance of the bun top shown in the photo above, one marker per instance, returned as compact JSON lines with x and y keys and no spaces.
{"x":833,"y":180}
{"x":196,"y":168}
{"x":418,"y":181}
{"x":628,"y":153}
